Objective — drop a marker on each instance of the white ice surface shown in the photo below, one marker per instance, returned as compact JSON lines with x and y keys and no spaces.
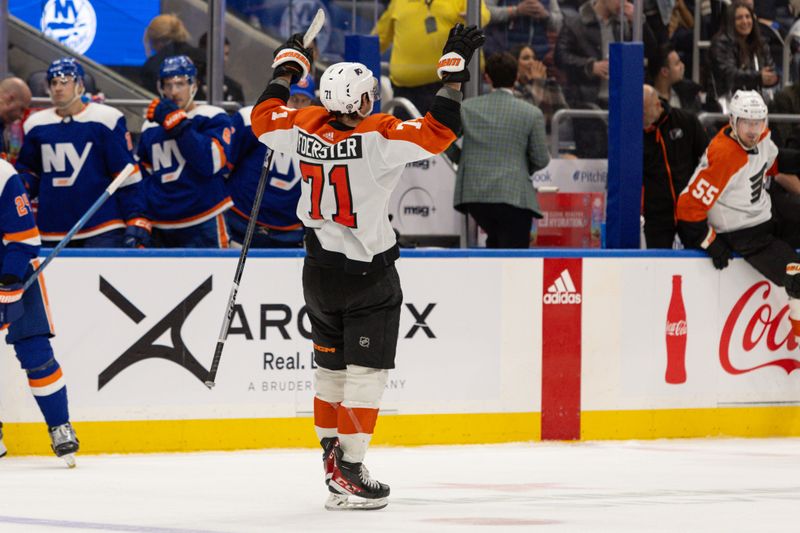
{"x":715,"y":485}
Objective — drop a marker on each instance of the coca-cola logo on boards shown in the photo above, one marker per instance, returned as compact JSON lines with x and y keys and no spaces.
{"x":676,"y":329}
{"x":764,"y":326}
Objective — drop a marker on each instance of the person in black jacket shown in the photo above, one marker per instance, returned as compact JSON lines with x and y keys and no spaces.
{"x":231,"y":89}
{"x":740,"y":58}
{"x":582,"y":55}
{"x":667,"y":77}
{"x":674,"y":142}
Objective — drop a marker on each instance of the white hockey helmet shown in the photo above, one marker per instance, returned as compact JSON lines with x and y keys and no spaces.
{"x":342,"y":86}
{"x":747,"y":104}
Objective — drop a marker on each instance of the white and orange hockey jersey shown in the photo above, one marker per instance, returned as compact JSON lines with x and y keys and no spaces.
{"x":727,"y":187}
{"x":348,"y":174}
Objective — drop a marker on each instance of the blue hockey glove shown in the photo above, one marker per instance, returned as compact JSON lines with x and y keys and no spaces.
{"x":137,"y":234}
{"x":11,"y":307}
{"x":168,"y":114}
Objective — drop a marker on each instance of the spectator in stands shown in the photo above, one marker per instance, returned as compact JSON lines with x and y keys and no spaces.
{"x":681,"y":31}
{"x":164,"y":37}
{"x":521,"y":22}
{"x":739,"y":57}
{"x":504,"y":143}
{"x":582,"y":54}
{"x":231,"y":89}
{"x":417,"y":30}
{"x":674,"y":142}
{"x":667,"y":75}
{"x":15,"y":99}
{"x":770,"y":29}
{"x":533,"y":84}
{"x":582,"y":48}
{"x":664,"y":17}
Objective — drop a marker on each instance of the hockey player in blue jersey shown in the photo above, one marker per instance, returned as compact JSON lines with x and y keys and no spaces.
{"x":185,"y":148}
{"x":71,"y":152}
{"x":27,"y":315}
{"x":277,"y":225}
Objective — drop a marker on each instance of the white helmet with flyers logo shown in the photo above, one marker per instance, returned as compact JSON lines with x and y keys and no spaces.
{"x":342,"y":86}
{"x":750,"y":107}
{"x":747,"y":104}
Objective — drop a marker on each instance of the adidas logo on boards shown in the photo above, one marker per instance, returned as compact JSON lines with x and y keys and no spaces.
{"x":562,"y":291}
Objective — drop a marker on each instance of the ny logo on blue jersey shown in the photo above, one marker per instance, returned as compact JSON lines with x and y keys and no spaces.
{"x":282,"y":173}
{"x":55,"y":158}
{"x":164,"y":157}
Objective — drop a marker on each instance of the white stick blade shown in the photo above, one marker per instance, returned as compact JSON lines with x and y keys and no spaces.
{"x":314,"y":28}
{"x":129,"y":169}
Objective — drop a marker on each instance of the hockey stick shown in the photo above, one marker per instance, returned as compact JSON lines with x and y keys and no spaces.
{"x":311,"y":33}
{"x":314,"y":27}
{"x":237,"y":277}
{"x":129,"y":169}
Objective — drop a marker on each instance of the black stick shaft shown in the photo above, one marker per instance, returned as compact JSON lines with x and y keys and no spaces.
{"x":237,"y":278}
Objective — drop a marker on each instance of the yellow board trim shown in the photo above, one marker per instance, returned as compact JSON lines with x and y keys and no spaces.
{"x":240,"y":434}
{"x":772,"y":421}
{"x":407,"y":430}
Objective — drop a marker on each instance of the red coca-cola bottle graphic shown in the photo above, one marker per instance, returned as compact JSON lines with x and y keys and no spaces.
{"x":676,"y":335}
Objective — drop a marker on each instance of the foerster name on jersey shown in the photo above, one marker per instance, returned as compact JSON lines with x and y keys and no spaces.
{"x":309,"y":146}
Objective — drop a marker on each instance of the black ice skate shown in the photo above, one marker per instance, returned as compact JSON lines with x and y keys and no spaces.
{"x":3,"y":450}
{"x":328,"y":456}
{"x":64,"y":443}
{"x":352,"y":488}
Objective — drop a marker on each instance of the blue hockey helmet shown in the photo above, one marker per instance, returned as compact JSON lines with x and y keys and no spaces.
{"x":63,"y":68}
{"x":177,"y":66}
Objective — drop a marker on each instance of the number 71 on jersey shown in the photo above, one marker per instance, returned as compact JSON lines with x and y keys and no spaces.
{"x":335,"y":182}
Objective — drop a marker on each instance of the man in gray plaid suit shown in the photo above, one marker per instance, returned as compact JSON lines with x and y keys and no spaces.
{"x":504,"y":143}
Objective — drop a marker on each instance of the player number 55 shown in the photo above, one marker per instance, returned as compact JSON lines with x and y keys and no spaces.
{"x":704,"y":191}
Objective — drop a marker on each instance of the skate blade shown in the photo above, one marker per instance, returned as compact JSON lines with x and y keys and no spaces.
{"x":70,"y":460}
{"x":343,"y":502}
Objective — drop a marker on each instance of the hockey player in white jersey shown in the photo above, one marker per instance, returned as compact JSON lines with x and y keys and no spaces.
{"x":725,"y":209}
{"x":350,"y":161}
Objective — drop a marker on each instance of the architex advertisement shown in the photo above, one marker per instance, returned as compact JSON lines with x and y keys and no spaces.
{"x":136,"y":337}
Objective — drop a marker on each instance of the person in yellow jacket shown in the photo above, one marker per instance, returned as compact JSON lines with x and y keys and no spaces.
{"x":416,"y":30}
